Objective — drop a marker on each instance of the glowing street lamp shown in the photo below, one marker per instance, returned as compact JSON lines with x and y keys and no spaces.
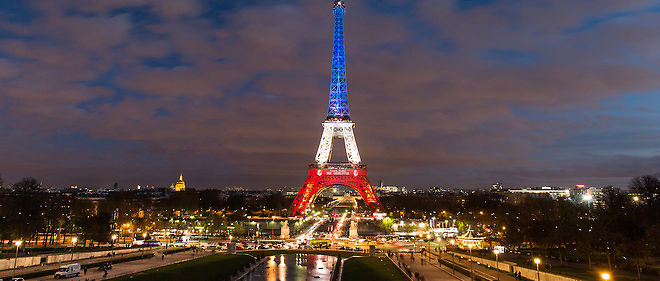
{"x":537,"y":261}
{"x":605,"y":276}
{"x":74,"y":242}
{"x":497,"y":263}
{"x":18,"y":245}
{"x":471,"y":271}
{"x":112,"y":248}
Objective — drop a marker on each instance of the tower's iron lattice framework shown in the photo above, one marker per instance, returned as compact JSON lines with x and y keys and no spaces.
{"x":323,"y":174}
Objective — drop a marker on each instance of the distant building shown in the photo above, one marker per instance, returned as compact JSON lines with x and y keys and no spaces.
{"x":436,"y":190}
{"x":387,"y":189}
{"x":497,"y":187}
{"x":592,"y":196}
{"x":180,"y":185}
{"x":516,"y":196}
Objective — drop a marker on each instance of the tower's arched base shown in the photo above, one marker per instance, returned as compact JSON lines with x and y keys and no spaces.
{"x":319,"y":178}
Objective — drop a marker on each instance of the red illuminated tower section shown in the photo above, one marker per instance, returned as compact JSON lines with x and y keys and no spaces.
{"x":323,"y":173}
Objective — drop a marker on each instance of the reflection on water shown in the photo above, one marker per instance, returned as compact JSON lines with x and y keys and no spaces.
{"x":296,"y":267}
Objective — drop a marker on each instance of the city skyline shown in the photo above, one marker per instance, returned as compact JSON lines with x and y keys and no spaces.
{"x":448,"y":94}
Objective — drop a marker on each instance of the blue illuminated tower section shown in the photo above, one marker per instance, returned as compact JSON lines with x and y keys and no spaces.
{"x":338,"y":102}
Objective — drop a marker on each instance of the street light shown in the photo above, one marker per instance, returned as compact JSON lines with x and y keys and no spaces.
{"x":112,"y":249}
{"x":605,"y":276}
{"x":18,"y":244}
{"x":537,"y":261}
{"x":497,"y":263}
{"x":453,"y":260}
{"x":471,"y":271}
{"x":74,"y":241}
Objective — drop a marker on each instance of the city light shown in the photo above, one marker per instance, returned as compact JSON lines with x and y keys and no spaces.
{"x":605,"y":276}
{"x":537,"y":260}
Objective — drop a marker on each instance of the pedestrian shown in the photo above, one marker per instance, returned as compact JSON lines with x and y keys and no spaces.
{"x":105,"y":273}
{"x":85,"y":270}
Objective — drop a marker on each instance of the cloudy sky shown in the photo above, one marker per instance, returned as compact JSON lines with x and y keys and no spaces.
{"x":445,"y":93}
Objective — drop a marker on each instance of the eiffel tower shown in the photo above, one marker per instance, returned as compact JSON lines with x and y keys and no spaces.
{"x":323,"y":174}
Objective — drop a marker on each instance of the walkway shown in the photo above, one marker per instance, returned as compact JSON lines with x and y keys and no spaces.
{"x":479,"y":269}
{"x":131,"y":267}
{"x":428,"y":271}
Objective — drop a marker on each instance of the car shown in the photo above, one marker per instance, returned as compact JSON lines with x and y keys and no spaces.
{"x":66,"y":271}
{"x":105,"y":266}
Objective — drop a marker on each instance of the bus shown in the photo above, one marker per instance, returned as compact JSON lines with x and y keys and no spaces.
{"x":320,"y":244}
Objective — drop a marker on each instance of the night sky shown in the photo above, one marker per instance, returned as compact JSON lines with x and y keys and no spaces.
{"x":233,"y":93}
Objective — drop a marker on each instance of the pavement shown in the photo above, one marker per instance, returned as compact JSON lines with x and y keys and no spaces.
{"x":131,"y":267}
{"x":478,"y":269}
{"x":25,"y":270}
{"x":428,"y":269}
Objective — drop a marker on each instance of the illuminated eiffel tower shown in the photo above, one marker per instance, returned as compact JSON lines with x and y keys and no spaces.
{"x":323,"y":173}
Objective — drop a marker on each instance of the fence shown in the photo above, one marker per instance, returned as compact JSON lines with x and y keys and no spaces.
{"x":6,"y":264}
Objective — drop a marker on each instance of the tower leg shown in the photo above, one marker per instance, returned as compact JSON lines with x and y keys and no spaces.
{"x":325,"y":146}
{"x":352,"y":152}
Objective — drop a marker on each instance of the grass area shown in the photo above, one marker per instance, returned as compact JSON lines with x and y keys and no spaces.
{"x":215,"y":267}
{"x":371,"y":268}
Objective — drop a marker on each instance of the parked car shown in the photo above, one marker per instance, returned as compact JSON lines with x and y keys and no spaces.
{"x":105,"y":266}
{"x":66,"y":271}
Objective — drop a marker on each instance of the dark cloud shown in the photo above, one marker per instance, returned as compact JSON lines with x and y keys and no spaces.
{"x":443,"y":93}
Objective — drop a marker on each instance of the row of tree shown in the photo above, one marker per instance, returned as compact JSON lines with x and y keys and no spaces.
{"x":28,"y":212}
{"x":623,"y":228}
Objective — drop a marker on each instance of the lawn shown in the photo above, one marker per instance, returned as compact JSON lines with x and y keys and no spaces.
{"x":215,"y":267}
{"x":371,"y":268}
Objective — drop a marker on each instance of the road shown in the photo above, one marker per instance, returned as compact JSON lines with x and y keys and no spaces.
{"x":130,"y":267}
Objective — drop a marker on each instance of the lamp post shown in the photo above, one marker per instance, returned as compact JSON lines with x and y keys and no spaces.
{"x":144,"y":240}
{"x":497,"y":263}
{"x":537,"y":261}
{"x":471,"y":271}
{"x":605,"y":276}
{"x":453,"y":259}
{"x":18,"y":245}
{"x":112,"y":249}
{"x":74,"y":241}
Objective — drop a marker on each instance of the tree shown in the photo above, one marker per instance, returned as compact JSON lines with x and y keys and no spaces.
{"x":386,"y":225}
{"x":97,"y":228}
{"x":26,"y":212}
{"x":27,"y":185}
{"x":647,"y":186}
{"x":1,"y":181}
{"x":238,"y":230}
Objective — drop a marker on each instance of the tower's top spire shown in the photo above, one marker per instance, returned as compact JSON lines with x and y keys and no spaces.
{"x":181,"y":177}
{"x":338,"y":101}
